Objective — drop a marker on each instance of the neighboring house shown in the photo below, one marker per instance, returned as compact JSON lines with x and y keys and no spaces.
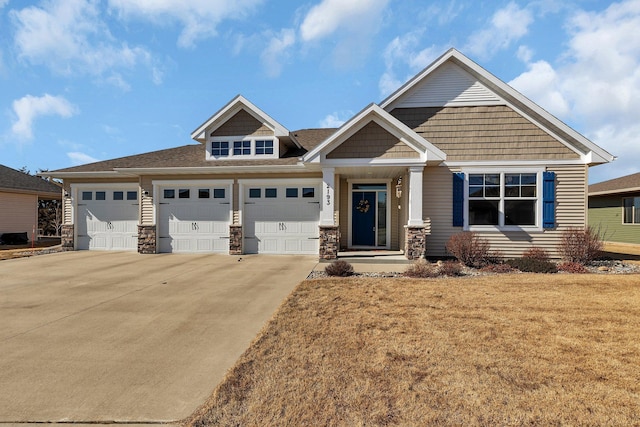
{"x":19,"y":194}
{"x":453,"y":149}
{"x":614,"y":209}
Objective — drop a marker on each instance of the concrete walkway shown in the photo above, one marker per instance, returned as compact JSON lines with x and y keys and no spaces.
{"x":90,"y":337}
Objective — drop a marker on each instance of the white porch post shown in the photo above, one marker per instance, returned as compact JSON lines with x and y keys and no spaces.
{"x":328,"y":196}
{"x":415,"y":195}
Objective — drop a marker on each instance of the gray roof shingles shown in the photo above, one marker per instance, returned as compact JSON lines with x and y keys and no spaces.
{"x":16,"y":181}
{"x":193,"y":155}
{"x":617,"y":185}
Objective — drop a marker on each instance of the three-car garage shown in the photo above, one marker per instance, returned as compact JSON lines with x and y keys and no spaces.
{"x":278,"y":216}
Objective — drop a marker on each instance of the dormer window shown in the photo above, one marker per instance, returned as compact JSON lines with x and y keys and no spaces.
{"x":221,"y":148}
{"x":264,"y":147}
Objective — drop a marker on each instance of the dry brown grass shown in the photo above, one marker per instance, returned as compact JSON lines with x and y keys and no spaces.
{"x":519,"y":349}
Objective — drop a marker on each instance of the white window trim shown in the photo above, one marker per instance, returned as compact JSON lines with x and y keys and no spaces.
{"x":253,"y":155}
{"x":350,"y":183}
{"x":633,"y":209}
{"x":501,"y":228}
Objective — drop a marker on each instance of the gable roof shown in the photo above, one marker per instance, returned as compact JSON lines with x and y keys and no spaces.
{"x":230,"y":109}
{"x":624,"y":184}
{"x":590,"y":152}
{"x":14,"y":181}
{"x":373,"y":113}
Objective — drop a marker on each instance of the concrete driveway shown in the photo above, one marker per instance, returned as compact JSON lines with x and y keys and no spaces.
{"x":104,"y":336}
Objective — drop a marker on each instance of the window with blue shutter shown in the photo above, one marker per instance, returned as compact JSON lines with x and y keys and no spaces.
{"x":548,"y":200}
{"x":458,"y":199}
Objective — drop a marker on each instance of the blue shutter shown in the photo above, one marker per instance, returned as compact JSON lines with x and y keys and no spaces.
{"x":458,"y":199}
{"x":548,"y":199}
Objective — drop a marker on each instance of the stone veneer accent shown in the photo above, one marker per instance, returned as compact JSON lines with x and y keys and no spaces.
{"x":415,"y":242}
{"x":146,"y":239}
{"x":329,"y":241}
{"x":67,"y":237}
{"x":235,"y":240}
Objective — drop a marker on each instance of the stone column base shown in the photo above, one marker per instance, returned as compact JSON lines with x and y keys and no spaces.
{"x":235,"y":240}
{"x":66,"y":237}
{"x":415,"y":244}
{"x":147,"y":239}
{"x":329,"y":241}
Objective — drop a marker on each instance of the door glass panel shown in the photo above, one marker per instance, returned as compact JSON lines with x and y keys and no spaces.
{"x":184,"y":193}
{"x":118,"y":195}
{"x":369,"y":187}
{"x":101,"y":195}
{"x":382,"y":218}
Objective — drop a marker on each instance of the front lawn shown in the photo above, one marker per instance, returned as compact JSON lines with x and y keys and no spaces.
{"x":490,"y":350}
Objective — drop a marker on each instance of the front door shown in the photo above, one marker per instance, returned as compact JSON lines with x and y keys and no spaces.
{"x":369,"y":215}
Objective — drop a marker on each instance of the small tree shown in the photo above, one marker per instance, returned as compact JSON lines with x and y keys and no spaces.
{"x":581,"y":245}
{"x":470,"y":249}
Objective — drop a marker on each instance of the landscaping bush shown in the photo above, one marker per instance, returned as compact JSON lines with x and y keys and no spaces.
{"x":339,"y":268}
{"x":497,"y":268}
{"x":572,"y":267}
{"x":449,"y":268}
{"x":536,"y":252}
{"x":581,"y":245}
{"x":421,"y":269}
{"x":532,"y":265}
{"x":470,"y":249}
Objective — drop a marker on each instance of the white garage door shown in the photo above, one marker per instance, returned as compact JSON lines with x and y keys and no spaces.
{"x":194,"y":218}
{"x":107,"y":219}
{"x":281,"y":219}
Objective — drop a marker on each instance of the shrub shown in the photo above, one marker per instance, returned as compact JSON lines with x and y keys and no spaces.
{"x":536,"y":252}
{"x":581,"y":245}
{"x":572,"y":267}
{"x":470,"y":249}
{"x":449,"y":268}
{"x":497,"y":268}
{"x":532,"y":265}
{"x":421,"y":269}
{"x":339,"y":268}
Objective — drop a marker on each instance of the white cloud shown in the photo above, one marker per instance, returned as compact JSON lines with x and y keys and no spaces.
{"x":596,"y":84}
{"x":330,"y":15}
{"x":3,"y":3}
{"x":29,"y":108}
{"x":78,"y":158}
{"x":69,"y":37}
{"x":335,"y":119}
{"x":404,"y":52}
{"x":542,"y":83}
{"x":507,"y":25}
{"x":199,"y":18}
{"x":276,"y":54}
{"x":353,"y":22}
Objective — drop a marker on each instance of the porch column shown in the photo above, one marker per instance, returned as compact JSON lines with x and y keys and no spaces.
{"x":328,"y":193}
{"x":329,"y":234}
{"x":415,"y":196}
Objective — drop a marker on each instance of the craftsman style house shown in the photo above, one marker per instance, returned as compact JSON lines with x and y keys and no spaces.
{"x":453,"y":149}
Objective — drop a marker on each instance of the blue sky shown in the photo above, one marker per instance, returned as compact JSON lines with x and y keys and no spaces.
{"x":87,"y":80}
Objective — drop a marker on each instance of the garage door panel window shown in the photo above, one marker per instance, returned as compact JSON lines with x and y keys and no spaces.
{"x":255,"y":193}
{"x":169,"y":194}
{"x":118,"y":195}
{"x":271,"y":193}
{"x":204,"y":193}
{"x":101,"y":195}
{"x":292,"y":193}
{"x":309,"y":192}
{"x":87,"y":195}
{"x":219,"y":193}
{"x":132,"y":195}
{"x":184,"y":193}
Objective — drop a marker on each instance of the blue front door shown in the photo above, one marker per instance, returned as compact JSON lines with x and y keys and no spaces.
{"x":363,"y":221}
